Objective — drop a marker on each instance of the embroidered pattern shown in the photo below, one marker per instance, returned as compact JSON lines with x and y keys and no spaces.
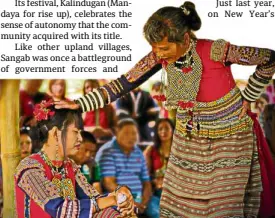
{"x":219,"y":50}
{"x":108,"y":212}
{"x":65,"y":187}
{"x":211,"y":166}
{"x":112,"y":87}
{"x":217,"y":119}
{"x":205,"y":176}
{"x":27,"y":163}
{"x":119,"y":84}
{"x":115,"y":86}
{"x":267,"y":70}
{"x":64,"y":209}
{"x":38,"y":187}
{"x":70,"y":209}
{"x":141,"y":67}
{"x":247,"y":55}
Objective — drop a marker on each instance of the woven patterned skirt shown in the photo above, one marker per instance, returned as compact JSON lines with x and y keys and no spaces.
{"x":108,"y":212}
{"x":212,"y":177}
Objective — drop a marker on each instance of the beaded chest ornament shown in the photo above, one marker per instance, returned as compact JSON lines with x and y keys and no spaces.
{"x":183,"y":81}
{"x":64,"y":184}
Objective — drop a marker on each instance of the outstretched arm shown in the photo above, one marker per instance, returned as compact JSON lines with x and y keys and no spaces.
{"x":108,"y":93}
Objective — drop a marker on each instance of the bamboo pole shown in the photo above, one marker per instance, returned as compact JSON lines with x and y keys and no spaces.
{"x":10,"y":151}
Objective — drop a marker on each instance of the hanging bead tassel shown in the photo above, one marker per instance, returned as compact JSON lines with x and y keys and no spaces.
{"x":189,"y":126}
{"x":198,"y":126}
{"x":198,"y":120}
{"x":161,"y":97}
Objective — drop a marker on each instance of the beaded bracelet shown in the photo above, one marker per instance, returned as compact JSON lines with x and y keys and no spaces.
{"x":79,"y":103}
{"x":95,"y":101}
{"x":88,"y":102}
{"x":99,"y":97}
{"x":108,"y":95}
{"x":261,"y":79}
{"x":95,"y":204}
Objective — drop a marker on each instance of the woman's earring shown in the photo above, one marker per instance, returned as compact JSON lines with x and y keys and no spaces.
{"x":56,"y":153}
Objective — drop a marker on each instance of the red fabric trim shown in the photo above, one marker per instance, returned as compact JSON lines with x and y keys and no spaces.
{"x":156,"y":159}
{"x":267,"y":166}
{"x":20,"y":201}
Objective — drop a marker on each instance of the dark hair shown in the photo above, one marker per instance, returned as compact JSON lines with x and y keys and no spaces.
{"x":25,"y":130}
{"x":265,"y":97}
{"x":94,"y":83}
{"x":88,"y":137}
{"x":126,"y":121}
{"x":157,"y":141}
{"x":172,"y":22}
{"x":61,"y":119}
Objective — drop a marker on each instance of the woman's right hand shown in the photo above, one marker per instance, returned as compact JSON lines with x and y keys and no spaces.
{"x":66,"y":104}
{"x":125,"y":206}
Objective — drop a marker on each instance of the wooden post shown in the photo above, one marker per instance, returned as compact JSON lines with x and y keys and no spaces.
{"x":10,"y":150}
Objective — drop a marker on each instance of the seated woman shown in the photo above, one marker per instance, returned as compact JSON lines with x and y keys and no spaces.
{"x":49,"y":184}
{"x":157,"y":157}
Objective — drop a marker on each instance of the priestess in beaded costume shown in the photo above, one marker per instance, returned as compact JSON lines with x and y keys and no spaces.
{"x":219,"y":165}
{"x":49,"y":184}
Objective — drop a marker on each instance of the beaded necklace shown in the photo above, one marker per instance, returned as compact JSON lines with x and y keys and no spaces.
{"x":184,"y":79}
{"x":64,"y":184}
{"x":183,"y":83}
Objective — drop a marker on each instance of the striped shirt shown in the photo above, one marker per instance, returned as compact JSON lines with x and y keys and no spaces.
{"x":129,"y":170}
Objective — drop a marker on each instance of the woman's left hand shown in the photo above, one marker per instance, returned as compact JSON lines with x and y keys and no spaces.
{"x":126,"y":208}
{"x":67,"y":104}
{"x":246,"y":106}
